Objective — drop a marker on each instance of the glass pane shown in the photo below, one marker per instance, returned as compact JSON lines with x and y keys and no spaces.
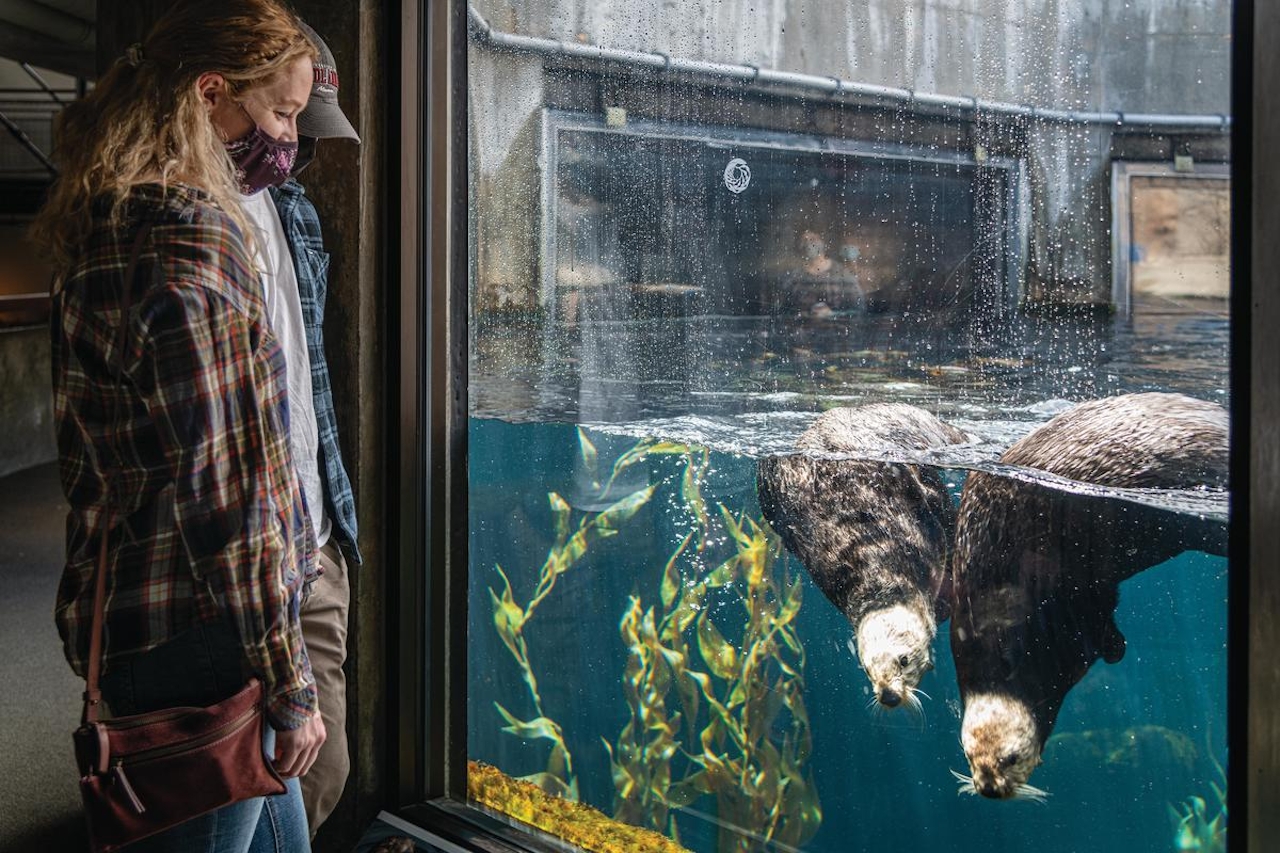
{"x":817,"y":471}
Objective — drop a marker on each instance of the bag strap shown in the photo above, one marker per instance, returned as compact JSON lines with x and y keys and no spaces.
{"x":92,"y":693}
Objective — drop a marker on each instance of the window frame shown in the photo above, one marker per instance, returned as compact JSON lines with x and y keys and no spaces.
{"x":1122,"y":174}
{"x":427,"y":585}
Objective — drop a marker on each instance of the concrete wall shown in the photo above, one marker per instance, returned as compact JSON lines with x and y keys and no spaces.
{"x":26,"y":403}
{"x":1141,"y":56}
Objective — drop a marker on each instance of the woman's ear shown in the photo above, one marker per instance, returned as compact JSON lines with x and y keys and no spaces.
{"x":212,"y":88}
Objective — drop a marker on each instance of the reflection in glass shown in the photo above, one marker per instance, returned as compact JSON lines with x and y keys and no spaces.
{"x":1181,"y":238}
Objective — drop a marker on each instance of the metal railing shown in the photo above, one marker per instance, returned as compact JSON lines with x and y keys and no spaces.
{"x":481,"y":32}
{"x":27,"y":114}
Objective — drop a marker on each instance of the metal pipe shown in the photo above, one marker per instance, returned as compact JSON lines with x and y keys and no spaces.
{"x":713,"y":69}
{"x":826,"y":85}
{"x":35,"y":75}
{"x":25,"y":142}
{"x":607,"y":54}
{"x":26,"y":90}
{"x":482,"y":32}
{"x":47,"y":21}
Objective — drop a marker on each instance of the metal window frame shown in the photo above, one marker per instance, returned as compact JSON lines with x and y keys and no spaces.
{"x":426,"y":653}
{"x":555,"y":121}
{"x":1122,"y":174}
{"x":427,"y":478}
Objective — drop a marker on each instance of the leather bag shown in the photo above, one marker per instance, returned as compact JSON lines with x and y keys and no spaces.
{"x":145,"y":773}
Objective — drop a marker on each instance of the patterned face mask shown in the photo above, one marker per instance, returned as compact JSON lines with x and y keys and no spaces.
{"x":261,"y":159}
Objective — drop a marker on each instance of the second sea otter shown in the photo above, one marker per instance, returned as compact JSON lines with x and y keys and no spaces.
{"x":1037,"y":568}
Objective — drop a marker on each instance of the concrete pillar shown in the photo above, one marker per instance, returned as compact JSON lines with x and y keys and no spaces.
{"x":346,"y":183}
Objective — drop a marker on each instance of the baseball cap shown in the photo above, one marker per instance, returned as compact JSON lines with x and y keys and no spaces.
{"x":323,"y":118}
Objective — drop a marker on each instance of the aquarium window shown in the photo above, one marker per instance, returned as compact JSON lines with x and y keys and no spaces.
{"x":802,"y":488}
{"x":1171,"y":231}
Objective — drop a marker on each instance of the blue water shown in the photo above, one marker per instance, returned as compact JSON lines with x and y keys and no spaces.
{"x":882,"y":777}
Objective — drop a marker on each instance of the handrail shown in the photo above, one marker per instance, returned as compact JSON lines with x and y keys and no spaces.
{"x":25,"y":141}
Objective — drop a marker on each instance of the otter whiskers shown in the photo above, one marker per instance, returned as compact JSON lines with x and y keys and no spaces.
{"x":966,"y":783}
{"x":1030,"y":792}
{"x":913,"y":695}
{"x":1022,"y":792}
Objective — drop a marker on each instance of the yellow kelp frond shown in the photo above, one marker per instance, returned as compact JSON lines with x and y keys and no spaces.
{"x":740,"y":732}
{"x":510,"y":619}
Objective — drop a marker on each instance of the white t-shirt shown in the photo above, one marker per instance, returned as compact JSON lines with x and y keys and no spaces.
{"x":284,"y":308}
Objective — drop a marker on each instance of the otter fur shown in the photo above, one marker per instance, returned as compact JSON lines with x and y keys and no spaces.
{"x":873,"y":535}
{"x":1037,"y":569}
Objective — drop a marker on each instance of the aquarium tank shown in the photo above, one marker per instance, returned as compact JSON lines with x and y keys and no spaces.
{"x":848,"y":410}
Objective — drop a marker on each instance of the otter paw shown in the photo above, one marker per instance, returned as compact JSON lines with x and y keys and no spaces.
{"x":1113,"y":645}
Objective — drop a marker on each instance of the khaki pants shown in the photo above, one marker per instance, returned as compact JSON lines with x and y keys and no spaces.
{"x":324,"y":630}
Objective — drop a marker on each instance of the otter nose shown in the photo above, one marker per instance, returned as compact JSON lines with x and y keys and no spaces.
{"x":890,"y":697}
{"x":988,"y":789}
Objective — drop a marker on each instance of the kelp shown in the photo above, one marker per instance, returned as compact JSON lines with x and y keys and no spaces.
{"x":576,"y":823}
{"x":717,"y":706}
{"x":731,"y":716}
{"x":511,"y":620}
{"x":697,"y":460}
{"x":1193,"y":826}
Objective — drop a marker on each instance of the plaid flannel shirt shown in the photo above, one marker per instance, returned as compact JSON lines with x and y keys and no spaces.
{"x":311,"y":265}
{"x":208,"y":518}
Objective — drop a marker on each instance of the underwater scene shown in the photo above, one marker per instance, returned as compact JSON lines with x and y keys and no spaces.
{"x":850,"y":582}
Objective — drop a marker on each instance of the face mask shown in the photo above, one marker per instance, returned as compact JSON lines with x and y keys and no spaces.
{"x":261,"y":160}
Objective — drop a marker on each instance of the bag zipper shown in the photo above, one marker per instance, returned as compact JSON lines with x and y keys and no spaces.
{"x":224,"y":731}
{"x":118,"y":777}
{"x":123,"y":723}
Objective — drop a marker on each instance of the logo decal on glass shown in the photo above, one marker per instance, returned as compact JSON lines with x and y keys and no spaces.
{"x":737,"y":175}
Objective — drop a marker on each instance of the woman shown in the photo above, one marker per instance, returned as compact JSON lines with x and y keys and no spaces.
{"x":188,"y":437}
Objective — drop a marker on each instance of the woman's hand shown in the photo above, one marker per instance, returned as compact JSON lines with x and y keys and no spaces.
{"x":296,"y":749}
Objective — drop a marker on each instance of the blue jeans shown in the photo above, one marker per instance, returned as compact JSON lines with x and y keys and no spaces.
{"x":200,"y":667}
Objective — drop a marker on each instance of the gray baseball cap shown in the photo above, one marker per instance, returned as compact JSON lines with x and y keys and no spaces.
{"x":323,"y":118}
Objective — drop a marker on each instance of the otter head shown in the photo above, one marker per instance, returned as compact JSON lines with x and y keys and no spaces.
{"x":1002,"y":742}
{"x":895,"y":648}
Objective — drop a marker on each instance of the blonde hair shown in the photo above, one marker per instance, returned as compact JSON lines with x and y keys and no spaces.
{"x":145,"y":120}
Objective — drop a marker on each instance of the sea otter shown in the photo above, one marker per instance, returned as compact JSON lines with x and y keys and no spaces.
{"x":873,"y":535}
{"x":1037,"y":569}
